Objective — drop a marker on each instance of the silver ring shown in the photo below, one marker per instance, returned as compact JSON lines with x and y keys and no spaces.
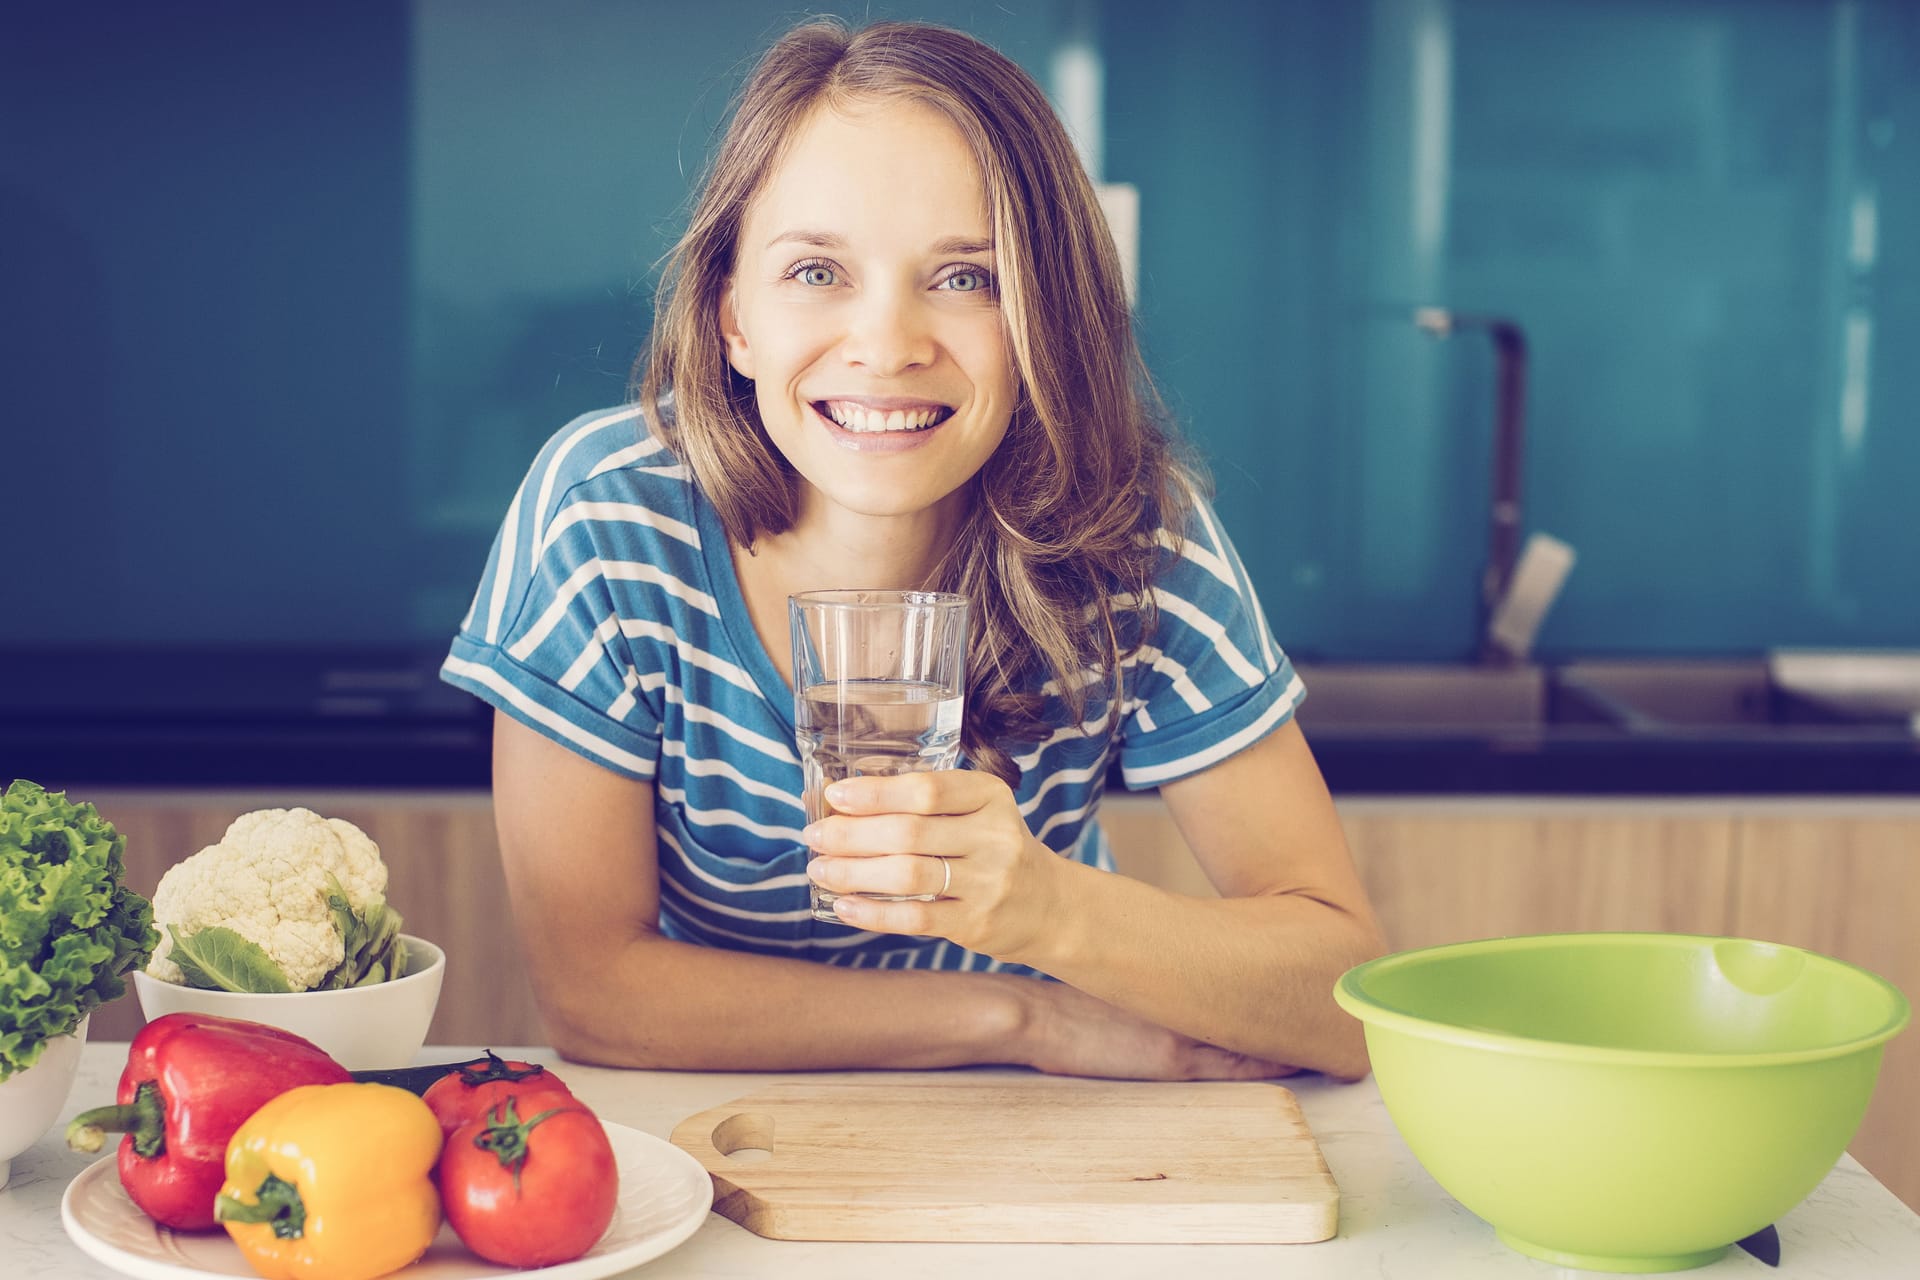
{"x":946,"y":883}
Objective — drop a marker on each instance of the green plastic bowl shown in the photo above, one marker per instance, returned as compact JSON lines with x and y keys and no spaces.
{"x":1621,"y":1101}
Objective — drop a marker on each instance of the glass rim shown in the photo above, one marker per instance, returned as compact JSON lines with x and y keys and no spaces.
{"x":876,"y":597}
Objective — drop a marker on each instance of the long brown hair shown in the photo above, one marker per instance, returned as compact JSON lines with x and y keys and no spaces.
{"x":1058,"y":541}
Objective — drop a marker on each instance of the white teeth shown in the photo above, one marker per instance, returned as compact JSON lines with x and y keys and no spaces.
{"x":856,"y":418}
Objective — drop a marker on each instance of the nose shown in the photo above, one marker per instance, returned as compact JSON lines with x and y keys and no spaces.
{"x":889,"y":332}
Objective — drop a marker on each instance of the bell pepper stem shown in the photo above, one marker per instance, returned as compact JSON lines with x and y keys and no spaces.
{"x":144,"y":1118}
{"x":277,"y":1202}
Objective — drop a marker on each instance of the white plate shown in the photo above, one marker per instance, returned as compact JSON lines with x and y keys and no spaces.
{"x":664,"y":1197}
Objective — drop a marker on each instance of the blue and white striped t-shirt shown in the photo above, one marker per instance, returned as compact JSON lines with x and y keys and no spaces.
{"x":610,"y":620}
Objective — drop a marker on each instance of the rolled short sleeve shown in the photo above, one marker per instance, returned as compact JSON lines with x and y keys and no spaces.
{"x":1210,"y":679}
{"x":544,"y":640}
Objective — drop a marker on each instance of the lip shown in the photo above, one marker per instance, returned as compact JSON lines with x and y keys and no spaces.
{"x":884,"y":404}
{"x":878,"y":442}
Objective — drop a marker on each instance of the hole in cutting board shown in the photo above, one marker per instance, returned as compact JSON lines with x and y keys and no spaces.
{"x":747,"y":1137}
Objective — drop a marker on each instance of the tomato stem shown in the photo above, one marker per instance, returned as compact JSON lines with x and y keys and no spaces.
{"x":506,"y":1136}
{"x":475,"y":1074}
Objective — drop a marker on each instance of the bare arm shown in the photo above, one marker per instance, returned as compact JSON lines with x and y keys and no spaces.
{"x":579,"y":847}
{"x":1252,"y":971}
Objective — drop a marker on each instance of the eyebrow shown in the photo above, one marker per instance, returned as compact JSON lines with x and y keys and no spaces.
{"x":833,"y":240}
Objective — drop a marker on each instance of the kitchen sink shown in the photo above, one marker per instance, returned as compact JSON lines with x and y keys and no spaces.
{"x":1741,"y":697}
{"x":1392,"y":699}
{"x":1735,"y":699}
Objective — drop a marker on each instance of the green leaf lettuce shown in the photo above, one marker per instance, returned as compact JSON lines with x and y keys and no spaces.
{"x":69,"y":926}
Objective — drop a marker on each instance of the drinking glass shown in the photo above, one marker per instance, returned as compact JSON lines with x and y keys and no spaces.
{"x":878,"y":679}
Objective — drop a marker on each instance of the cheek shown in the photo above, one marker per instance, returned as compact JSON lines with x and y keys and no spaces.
{"x":988,"y":361}
{"x":789,"y":348}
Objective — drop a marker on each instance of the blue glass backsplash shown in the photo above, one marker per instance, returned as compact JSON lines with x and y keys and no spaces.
{"x":292,"y":293}
{"x":1705,"y":214}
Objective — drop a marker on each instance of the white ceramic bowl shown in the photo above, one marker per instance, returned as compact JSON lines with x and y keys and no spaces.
{"x":31,"y":1100}
{"x":374,"y":1028}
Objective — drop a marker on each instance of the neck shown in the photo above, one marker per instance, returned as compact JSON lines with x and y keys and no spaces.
{"x":829,"y":547}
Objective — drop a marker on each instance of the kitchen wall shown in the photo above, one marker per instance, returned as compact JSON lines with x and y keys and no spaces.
{"x":330,"y":274}
{"x":1704,"y":213}
{"x":292,"y":293}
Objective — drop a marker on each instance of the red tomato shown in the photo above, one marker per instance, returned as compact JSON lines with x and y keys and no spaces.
{"x":468,"y":1093}
{"x":529,"y":1192}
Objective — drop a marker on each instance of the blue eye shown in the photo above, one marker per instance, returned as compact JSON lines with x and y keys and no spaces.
{"x":969,"y":280}
{"x":813,"y":272}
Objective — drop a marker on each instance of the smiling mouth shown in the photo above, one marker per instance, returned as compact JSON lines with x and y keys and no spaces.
{"x":849,"y":416}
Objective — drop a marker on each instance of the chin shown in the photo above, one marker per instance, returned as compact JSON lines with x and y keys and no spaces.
{"x":881,"y":506}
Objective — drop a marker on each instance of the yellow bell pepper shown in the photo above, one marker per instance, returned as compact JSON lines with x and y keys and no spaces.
{"x":332,"y":1182}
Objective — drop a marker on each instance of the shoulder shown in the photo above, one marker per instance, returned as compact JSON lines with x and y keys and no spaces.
{"x":608,"y":453}
{"x":1204,"y":602}
{"x":603,"y":496}
{"x":1196,"y":558}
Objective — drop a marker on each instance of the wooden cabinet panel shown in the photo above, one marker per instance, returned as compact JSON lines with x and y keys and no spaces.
{"x":1849,"y":887}
{"x":1830,"y":879}
{"x":444,"y":877}
{"x":1148,"y":846}
{"x":1439,"y":872}
{"x":1446,"y":874}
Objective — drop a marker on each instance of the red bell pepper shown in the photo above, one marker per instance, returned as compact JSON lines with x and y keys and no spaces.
{"x":192,"y":1079}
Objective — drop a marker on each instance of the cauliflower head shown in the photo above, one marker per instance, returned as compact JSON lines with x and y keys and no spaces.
{"x":286,"y":901}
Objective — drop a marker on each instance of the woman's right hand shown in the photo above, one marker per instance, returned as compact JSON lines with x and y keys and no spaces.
{"x":1068,"y":1032}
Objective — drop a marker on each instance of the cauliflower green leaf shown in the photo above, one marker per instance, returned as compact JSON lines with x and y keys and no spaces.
{"x":286,"y":901}
{"x":218,"y":958}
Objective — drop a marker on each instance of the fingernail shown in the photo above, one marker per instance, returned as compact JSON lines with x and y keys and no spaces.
{"x":817,"y":871}
{"x":840,"y":792}
{"x":810,"y":833}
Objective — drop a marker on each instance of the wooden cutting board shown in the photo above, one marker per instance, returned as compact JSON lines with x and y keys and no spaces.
{"x":1043,"y":1159}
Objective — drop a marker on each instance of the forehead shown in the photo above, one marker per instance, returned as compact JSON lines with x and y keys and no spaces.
{"x":879,"y":169}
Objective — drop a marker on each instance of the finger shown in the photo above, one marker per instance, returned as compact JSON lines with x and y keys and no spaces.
{"x":878,"y":834}
{"x":905,"y":874}
{"x":950,"y":791}
{"x":920,"y":919}
{"x":1213,"y":1063}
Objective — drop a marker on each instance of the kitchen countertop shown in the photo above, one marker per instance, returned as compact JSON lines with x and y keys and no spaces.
{"x":1395,"y":1222}
{"x":456,"y":752}
{"x":384,"y":720}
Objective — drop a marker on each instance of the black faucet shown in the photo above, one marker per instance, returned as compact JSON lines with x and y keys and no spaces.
{"x":1509,"y":436}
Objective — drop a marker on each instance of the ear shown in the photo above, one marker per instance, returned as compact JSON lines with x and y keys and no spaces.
{"x":738,"y":354}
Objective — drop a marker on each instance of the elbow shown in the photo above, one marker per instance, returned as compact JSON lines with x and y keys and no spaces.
{"x":590,"y":1040}
{"x":1338,"y":1049}
{"x":1347,"y":1044}
{"x":580,"y":1043}
{"x":578,"y":1035}
{"x":1347,"y":1058}
{"x":608,"y":1024}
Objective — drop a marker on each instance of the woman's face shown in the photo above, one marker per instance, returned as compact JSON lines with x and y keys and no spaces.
{"x":865,"y":308}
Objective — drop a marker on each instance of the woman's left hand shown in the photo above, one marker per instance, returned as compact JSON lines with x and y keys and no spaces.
{"x":998,"y":886}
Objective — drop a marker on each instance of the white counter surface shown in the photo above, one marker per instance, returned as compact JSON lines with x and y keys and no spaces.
{"x":1395,"y":1222}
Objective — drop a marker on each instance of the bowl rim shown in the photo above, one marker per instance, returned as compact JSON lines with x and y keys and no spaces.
{"x":141,"y":978}
{"x":1350,"y":993}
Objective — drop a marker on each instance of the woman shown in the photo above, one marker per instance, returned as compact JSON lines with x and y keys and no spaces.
{"x":892,"y":350}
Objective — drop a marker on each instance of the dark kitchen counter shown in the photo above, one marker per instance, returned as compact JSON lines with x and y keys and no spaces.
{"x":384,"y":721}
